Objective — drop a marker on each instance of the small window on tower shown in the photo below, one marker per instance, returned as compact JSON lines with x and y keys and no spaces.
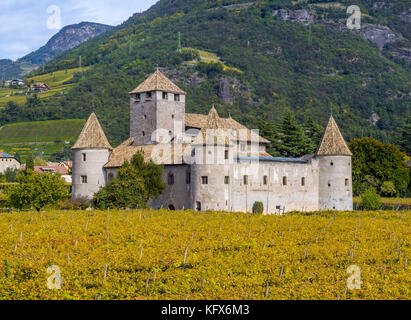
{"x":176,"y":97}
{"x":170,"y":179}
{"x":84,"y":157}
{"x":148,"y":95}
{"x":332,"y":163}
{"x":303,"y":181}
{"x":265,"y":180}
{"x":165,"y":96}
{"x":226,"y":154}
{"x":144,"y":134}
{"x":347,"y":182}
{"x":172,"y":116}
{"x":138,"y":97}
{"x":284,"y":181}
{"x":226,"y":180}
{"x":204,"y":180}
{"x":83,"y":179}
{"x":245,"y":180}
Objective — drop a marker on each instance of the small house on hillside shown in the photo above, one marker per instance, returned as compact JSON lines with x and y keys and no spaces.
{"x":39,"y":87}
{"x":8,"y":161}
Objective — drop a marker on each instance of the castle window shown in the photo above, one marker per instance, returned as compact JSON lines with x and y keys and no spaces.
{"x":226,"y":180}
{"x":148,"y":95}
{"x":172,"y":116}
{"x":188,"y":177}
{"x":144,"y":134}
{"x":303,"y":181}
{"x":198,"y":206}
{"x":145,"y":116}
{"x":347,"y":182}
{"x":176,"y":97}
{"x":204,"y":180}
{"x":226,"y":154}
{"x":329,"y":184}
{"x":193,"y":152}
{"x":138,"y":97}
{"x":243,"y":147}
{"x":284,"y":181}
{"x":83,"y":179}
{"x":332,"y":163}
{"x":245,"y":179}
{"x":265,"y":180}
{"x":170,"y":179}
{"x":165,"y":96}
{"x":84,"y":157}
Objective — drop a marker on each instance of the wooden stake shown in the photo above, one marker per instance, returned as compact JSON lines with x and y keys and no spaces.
{"x":185,"y":256}
{"x":281,"y":272}
{"x":147,"y":282}
{"x":266,"y":290}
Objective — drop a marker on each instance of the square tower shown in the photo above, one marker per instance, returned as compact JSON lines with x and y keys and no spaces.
{"x":157,"y":110}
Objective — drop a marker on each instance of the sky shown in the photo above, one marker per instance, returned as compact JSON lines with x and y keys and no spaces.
{"x":26,"y":25}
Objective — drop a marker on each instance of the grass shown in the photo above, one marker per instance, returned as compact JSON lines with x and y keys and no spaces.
{"x":229,"y":255}
{"x":56,"y":82}
{"x":39,"y":137}
{"x":209,"y":57}
{"x":390,"y":201}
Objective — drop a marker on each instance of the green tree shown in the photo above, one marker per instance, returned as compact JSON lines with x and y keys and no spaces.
{"x":314,"y":131}
{"x":388,"y":189}
{"x":375,"y":162}
{"x":36,"y":190}
{"x":294,"y":142}
{"x":258,"y":208}
{"x":30,"y":162}
{"x":404,"y":140}
{"x":370,"y":200}
{"x":136,"y":183}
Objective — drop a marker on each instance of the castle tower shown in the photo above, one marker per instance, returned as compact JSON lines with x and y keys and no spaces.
{"x":90,"y":153}
{"x":335,"y":170}
{"x":212,"y":171}
{"x":157,"y":103}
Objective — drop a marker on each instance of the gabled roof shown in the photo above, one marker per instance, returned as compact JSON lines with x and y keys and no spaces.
{"x":92,"y":136}
{"x":201,"y":121}
{"x":333,"y":143}
{"x":157,"y":82}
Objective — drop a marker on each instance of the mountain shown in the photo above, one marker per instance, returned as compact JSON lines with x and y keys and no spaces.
{"x":66,"y":39}
{"x":251,"y":59}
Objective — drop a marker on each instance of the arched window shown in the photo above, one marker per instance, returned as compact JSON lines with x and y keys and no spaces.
{"x":171,"y":207}
{"x":284,"y":181}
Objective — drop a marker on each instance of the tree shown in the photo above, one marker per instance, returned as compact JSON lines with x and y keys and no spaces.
{"x":314,"y":131}
{"x":37,"y":190}
{"x":9,"y":175}
{"x":30,"y":162}
{"x":258,"y":208}
{"x":370,"y":200}
{"x":375,"y":162}
{"x":136,"y":183}
{"x":294,"y":143}
{"x":404,"y":139}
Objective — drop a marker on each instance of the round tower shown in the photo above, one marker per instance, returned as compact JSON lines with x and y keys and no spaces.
{"x":90,"y":153}
{"x":335,"y":171}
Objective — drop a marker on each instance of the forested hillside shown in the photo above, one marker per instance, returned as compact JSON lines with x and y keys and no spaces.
{"x":268,"y":57}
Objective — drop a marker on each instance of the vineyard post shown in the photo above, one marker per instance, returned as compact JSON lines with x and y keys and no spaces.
{"x":405,"y":264}
{"x":185,"y":257}
{"x":281,"y":272}
{"x":105,"y":274}
{"x":68,"y":258}
{"x":267,"y":286}
{"x":202,"y":283}
{"x":21,"y":236}
{"x":147,"y":282}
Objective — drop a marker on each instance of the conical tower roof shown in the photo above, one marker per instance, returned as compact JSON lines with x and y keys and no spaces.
{"x":157,"y":82}
{"x":333,"y":143}
{"x":92,"y":136}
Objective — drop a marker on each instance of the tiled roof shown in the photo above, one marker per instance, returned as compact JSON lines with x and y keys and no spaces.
{"x":92,"y":136}
{"x":127,"y":150}
{"x":333,"y":143}
{"x":213,"y":121}
{"x":157,"y":82}
{"x":54,"y":169}
{"x":5,"y":155}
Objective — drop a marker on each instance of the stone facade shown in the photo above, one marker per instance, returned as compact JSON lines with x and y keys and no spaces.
{"x":227,"y":171}
{"x":8,"y":161}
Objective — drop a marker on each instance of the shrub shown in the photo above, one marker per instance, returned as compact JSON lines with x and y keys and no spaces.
{"x":75,"y":204}
{"x":370,"y":200}
{"x":388,"y":189}
{"x":258,"y":208}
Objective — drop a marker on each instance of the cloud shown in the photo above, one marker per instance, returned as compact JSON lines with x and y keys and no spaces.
{"x":23,"y":24}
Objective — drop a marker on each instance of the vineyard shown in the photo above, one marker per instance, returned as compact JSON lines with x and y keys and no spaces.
{"x":190,"y":255}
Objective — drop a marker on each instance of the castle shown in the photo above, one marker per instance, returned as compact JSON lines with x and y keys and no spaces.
{"x":212,"y":163}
